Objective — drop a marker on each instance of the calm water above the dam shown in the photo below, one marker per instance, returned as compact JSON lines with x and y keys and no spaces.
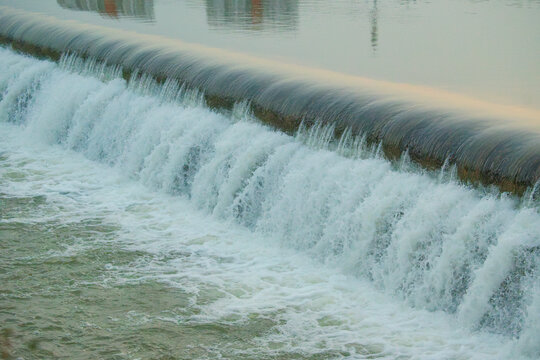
{"x":140,"y":220}
{"x":485,"y":49}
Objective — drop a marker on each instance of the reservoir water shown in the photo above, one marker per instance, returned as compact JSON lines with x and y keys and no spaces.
{"x":153,"y":204}
{"x":484,"y":49}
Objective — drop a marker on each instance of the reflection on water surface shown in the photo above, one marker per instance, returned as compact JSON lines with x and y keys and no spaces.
{"x":137,"y":9}
{"x":253,"y":14}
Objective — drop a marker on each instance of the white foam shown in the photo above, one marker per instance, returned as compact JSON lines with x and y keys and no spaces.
{"x":352,"y":254}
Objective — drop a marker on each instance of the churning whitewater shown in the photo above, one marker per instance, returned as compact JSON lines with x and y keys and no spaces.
{"x":344,"y":253}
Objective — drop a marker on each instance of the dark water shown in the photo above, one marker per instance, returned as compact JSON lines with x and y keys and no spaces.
{"x":485,"y":49}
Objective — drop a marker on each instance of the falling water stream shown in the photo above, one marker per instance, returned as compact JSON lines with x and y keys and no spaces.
{"x":138,"y":223}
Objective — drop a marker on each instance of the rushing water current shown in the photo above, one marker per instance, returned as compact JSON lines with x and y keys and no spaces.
{"x":137,"y":223}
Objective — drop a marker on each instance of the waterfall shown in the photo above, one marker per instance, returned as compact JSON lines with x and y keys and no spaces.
{"x":419,"y":235}
{"x":488,"y":143}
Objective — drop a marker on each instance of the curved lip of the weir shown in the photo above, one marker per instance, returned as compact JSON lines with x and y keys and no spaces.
{"x":416,"y":95}
{"x":435,"y":121}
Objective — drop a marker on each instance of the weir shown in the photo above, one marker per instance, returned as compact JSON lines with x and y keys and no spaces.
{"x":488,"y":143}
{"x":461,"y":256}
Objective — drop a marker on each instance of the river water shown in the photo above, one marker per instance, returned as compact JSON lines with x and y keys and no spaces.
{"x":137,"y":223}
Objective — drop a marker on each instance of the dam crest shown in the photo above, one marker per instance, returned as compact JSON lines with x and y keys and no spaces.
{"x":487,"y":144}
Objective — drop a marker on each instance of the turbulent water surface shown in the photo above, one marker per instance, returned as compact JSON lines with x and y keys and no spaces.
{"x":137,"y":223}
